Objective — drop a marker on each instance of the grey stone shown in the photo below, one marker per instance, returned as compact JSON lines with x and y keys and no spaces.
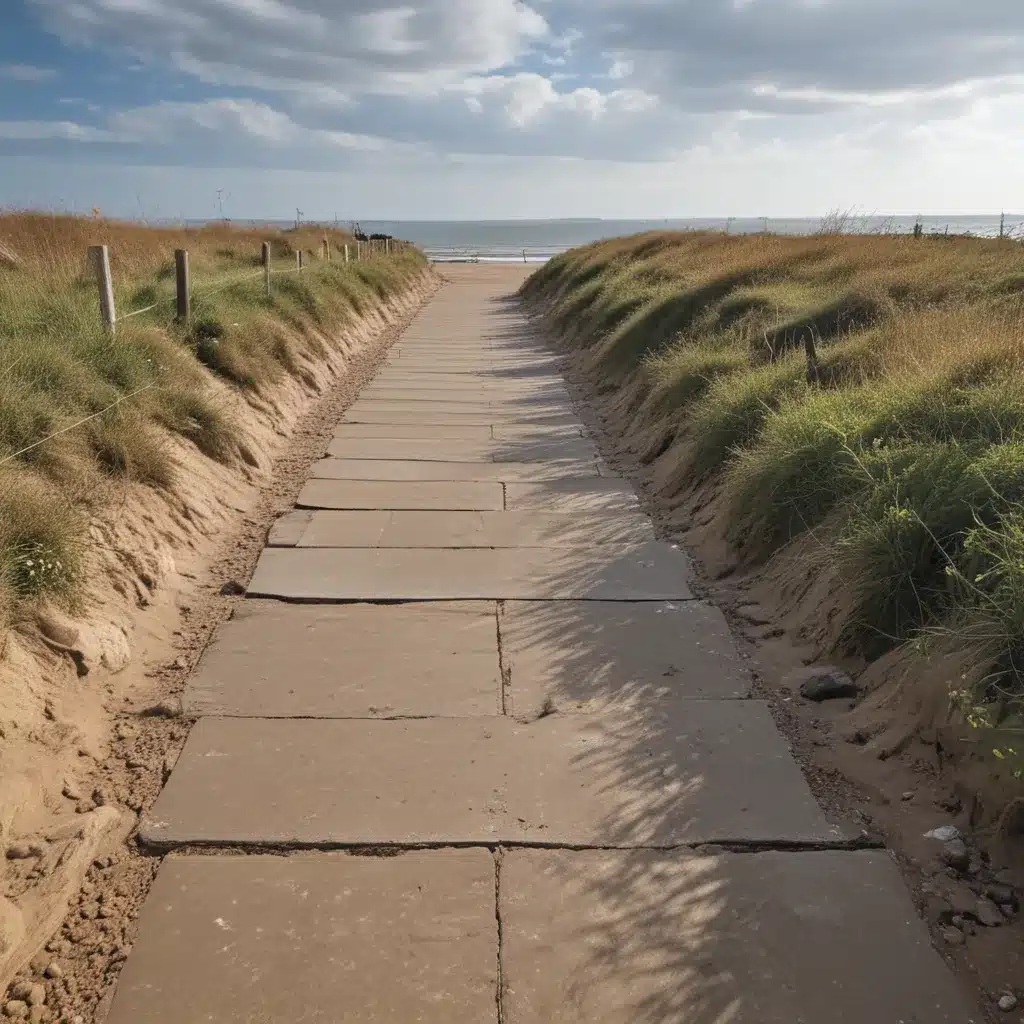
{"x":827,"y":683}
{"x":988,"y":914}
{"x":587,"y":656}
{"x":641,"y":572}
{"x":698,"y":771}
{"x":311,"y":937}
{"x":351,"y":661}
{"x":1007,"y":1002}
{"x":955,"y":854}
{"x":440,"y":495}
{"x":953,"y":936}
{"x":618,"y":937}
{"x":426,"y":529}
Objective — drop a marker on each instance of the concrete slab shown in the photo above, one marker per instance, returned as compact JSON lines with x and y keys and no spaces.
{"x":573,"y":656}
{"x":610,"y":937}
{"x":572,"y":496}
{"x":462,"y":431}
{"x":399,"y":469}
{"x":522,"y":449}
{"x":467,"y":392}
{"x":314,"y":937}
{"x":340,"y":529}
{"x":470,"y":412}
{"x":275,"y":660}
{"x":515,"y":431}
{"x":712,"y":771}
{"x":383,"y":494}
{"x":384,"y":412}
{"x":641,"y":572}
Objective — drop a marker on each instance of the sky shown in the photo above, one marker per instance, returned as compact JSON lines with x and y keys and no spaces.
{"x":501,"y":109}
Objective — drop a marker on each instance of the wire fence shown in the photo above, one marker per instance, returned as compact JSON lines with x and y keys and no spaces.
{"x":183,"y":295}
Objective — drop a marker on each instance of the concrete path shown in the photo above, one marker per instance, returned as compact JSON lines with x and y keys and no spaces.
{"x":479,"y":755}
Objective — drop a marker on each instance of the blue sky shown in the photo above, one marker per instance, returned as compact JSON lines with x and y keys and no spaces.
{"x":503,"y":108}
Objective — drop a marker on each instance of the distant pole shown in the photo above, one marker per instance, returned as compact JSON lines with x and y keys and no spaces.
{"x":359,"y":246}
{"x":1002,"y":225}
{"x":265,"y":256}
{"x":327,"y":249}
{"x":298,"y":260}
{"x":524,"y":255}
{"x":183,"y":282}
{"x":99,"y":256}
{"x":387,"y":246}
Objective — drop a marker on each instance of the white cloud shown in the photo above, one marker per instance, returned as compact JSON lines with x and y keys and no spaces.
{"x":27,"y":73}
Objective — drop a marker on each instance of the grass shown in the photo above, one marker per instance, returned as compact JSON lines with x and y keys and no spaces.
{"x":81,"y":411}
{"x":904,"y":459}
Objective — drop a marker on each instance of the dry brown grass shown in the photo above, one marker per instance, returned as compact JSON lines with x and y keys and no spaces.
{"x":80,"y":409}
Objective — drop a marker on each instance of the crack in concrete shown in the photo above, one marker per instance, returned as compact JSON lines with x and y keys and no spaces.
{"x":706,"y":847}
{"x":504,"y":670}
{"x":499,"y":995}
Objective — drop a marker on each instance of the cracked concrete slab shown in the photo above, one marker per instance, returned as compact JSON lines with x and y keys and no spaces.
{"x":611,"y":937}
{"x":594,"y":656}
{"x":355,"y":529}
{"x":650,"y":571}
{"x":399,"y":469}
{"x":438,"y":495}
{"x":703,"y":772}
{"x":315,"y":937}
{"x":275,"y":660}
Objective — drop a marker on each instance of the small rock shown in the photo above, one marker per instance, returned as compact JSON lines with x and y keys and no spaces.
{"x":827,"y":683}
{"x":1008,"y":910}
{"x":54,"y":970}
{"x":164,"y":709}
{"x":16,"y":1009}
{"x":19,"y":851}
{"x":232,"y":589}
{"x":953,"y":936}
{"x":100,"y":797}
{"x":1007,"y":1002}
{"x":944,"y":833}
{"x":53,"y":628}
{"x":962,"y":900}
{"x":999,"y":893}
{"x":71,"y":791}
{"x":136,"y":763}
{"x":124,"y":731}
{"x":85,"y":806}
{"x":955,"y":854}
{"x":908,"y":795}
{"x":179,"y":663}
{"x":989,"y":914}
{"x":37,"y":1014}
{"x":28,"y":992}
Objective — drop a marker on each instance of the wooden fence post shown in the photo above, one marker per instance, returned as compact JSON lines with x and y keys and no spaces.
{"x":359,"y":246}
{"x":327,"y":248}
{"x":346,"y":253}
{"x":387,"y":246}
{"x":813,"y":370}
{"x":298,"y":260}
{"x":184,"y":284}
{"x":265,"y":255}
{"x":99,"y":256}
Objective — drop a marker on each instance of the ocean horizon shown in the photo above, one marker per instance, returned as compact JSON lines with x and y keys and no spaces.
{"x":536,"y":241}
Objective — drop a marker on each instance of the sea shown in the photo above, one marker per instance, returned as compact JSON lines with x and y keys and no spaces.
{"x":536,"y":241}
